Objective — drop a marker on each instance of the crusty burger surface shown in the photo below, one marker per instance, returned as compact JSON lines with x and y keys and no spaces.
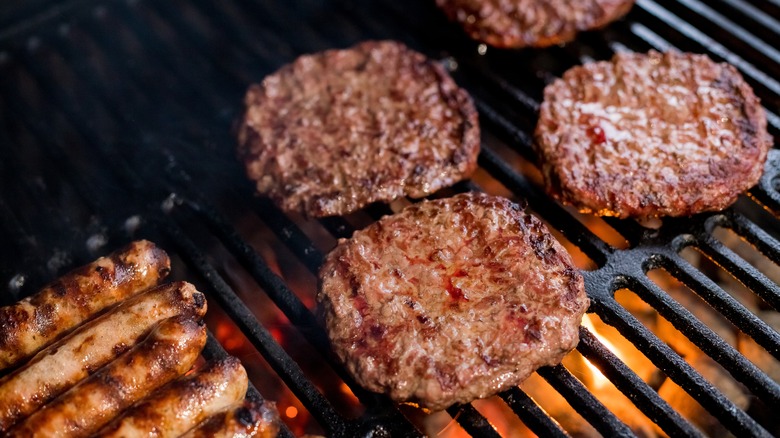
{"x":451,"y":300}
{"x":337,"y":130}
{"x":653,"y":134}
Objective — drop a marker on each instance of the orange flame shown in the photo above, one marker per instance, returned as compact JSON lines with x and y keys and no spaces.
{"x":599,"y":381}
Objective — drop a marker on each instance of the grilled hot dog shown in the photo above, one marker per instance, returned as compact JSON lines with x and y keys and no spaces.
{"x":34,"y":322}
{"x":247,"y":419}
{"x":65,"y":363}
{"x":182,"y":404}
{"x":168,"y":352}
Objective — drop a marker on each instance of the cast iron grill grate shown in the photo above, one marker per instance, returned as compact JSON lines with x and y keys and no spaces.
{"x":115,"y":124}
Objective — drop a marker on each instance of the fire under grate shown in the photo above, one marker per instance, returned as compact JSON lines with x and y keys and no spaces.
{"x":115,"y":122}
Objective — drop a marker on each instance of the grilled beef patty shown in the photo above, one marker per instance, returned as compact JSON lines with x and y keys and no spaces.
{"x":651,"y":135}
{"x":534,"y":23}
{"x":451,"y":300}
{"x":337,"y":130}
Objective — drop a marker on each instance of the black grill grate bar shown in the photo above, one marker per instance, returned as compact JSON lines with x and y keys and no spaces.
{"x":713,"y":16}
{"x":531,"y":414}
{"x":284,"y":366}
{"x":746,"y":273}
{"x":290,"y":233}
{"x":514,"y":136}
{"x":527,"y":103}
{"x":724,"y":303}
{"x":630,"y":384}
{"x":768,"y":193}
{"x":671,"y":364}
{"x":631,"y":230}
{"x":273,"y":285}
{"x":707,"y":340}
{"x":766,"y":20}
{"x":714,"y":47}
{"x":337,"y":226}
{"x":767,"y":244}
{"x":472,"y":421}
{"x":584,"y":402}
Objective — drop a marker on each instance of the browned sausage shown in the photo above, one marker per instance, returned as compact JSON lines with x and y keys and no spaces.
{"x":94,"y":344}
{"x":247,"y":419}
{"x":36,"y":321}
{"x":184,"y":403}
{"x":168,"y":352}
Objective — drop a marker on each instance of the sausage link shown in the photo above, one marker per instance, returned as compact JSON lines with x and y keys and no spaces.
{"x":91,"y":346}
{"x":168,"y":352}
{"x":247,"y":419}
{"x":184,"y":403}
{"x":36,"y":321}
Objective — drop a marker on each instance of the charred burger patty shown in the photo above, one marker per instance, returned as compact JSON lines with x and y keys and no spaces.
{"x":451,"y":300}
{"x":337,"y":130}
{"x":650,"y":135}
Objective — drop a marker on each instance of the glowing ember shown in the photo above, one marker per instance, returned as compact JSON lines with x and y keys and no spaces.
{"x":291,"y":412}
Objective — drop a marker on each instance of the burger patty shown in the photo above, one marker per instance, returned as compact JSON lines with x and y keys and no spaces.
{"x":535,"y":23}
{"x":337,"y":130}
{"x":451,"y":300}
{"x":652,"y":134}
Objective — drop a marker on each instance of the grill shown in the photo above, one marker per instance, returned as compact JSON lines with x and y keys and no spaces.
{"x":115,"y":121}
